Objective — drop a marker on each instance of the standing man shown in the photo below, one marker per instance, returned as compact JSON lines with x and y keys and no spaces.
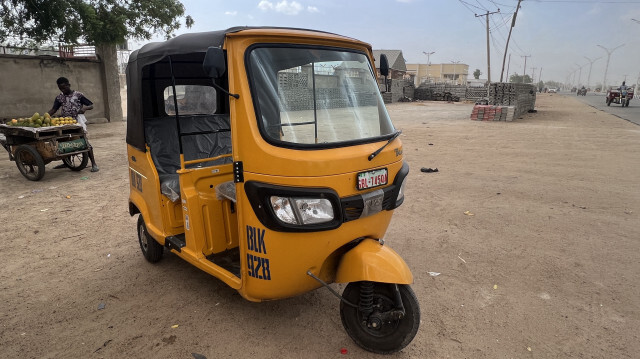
{"x":74,"y":104}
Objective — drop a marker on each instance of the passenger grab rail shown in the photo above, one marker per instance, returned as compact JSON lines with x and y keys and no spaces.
{"x":191,"y":162}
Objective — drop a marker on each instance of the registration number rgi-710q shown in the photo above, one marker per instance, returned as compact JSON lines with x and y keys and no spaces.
{"x":372,"y":179}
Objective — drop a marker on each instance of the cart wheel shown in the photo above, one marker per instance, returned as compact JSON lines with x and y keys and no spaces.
{"x":29,"y":162}
{"x":608,"y":102}
{"x":76,"y":162}
{"x":373,"y":332}
{"x":151,"y":249}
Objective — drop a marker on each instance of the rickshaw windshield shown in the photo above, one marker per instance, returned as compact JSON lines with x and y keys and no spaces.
{"x":316,"y":97}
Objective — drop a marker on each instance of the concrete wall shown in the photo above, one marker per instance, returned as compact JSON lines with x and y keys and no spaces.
{"x":439,"y":73}
{"x":28,"y":84}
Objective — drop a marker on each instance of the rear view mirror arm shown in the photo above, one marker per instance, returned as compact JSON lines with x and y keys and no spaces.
{"x":234,"y":95}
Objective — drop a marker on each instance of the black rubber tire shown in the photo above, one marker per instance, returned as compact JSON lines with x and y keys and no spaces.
{"x":390,"y":337}
{"x":151,"y":250}
{"x":76,"y":162}
{"x":608,"y":102}
{"x":29,"y":162}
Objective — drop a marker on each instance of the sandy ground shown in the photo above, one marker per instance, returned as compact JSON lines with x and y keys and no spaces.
{"x":546,"y":267}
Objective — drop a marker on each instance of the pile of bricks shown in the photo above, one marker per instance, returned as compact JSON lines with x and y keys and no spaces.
{"x":492,"y":113}
{"x":522,"y":96}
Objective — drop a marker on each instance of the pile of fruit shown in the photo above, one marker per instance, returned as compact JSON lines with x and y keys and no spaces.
{"x":41,"y":121}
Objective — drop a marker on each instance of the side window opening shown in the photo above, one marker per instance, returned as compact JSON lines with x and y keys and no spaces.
{"x":191,"y":99}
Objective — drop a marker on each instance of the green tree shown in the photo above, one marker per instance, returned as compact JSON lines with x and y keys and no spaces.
{"x":477,"y":73}
{"x":555,"y":84}
{"x":103,"y":23}
{"x":515,"y":78}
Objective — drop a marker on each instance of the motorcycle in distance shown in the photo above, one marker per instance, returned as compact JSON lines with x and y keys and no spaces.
{"x":581,"y":92}
{"x":266,"y":158}
{"x":618,"y":97}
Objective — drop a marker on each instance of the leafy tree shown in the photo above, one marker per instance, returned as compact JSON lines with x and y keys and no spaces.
{"x":91,"y":21}
{"x":477,"y":73}
{"x":515,"y":78}
{"x":555,"y":84}
{"x":103,"y":23}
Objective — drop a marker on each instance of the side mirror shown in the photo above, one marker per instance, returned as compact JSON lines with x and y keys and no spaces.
{"x":214,"y":63}
{"x":384,"y":65}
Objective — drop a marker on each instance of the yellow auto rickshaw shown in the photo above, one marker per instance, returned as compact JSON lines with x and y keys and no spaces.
{"x":266,"y":158}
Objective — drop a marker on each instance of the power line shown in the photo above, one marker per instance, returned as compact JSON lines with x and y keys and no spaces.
{"x":466,"y":4}
{"x":482,"y":6}
{"x":501,"y":5}
{"x":587,"y":2}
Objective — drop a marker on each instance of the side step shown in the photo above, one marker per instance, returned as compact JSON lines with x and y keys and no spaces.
{"x":175,"y":242}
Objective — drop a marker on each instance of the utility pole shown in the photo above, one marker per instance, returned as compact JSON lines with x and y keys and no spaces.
{"x":506,"y":47}
{"x":606,"y":68}
{"x":509,"y":63}
{"x":540,"y":75}
{"x":454,"y":70}
{"x":525,"y":66}
{"x":533,"y":75}
{"x":590,"y":65}
{"x":428,"y":63}
{"x":488,"y":52}
{"x":580,"y":75}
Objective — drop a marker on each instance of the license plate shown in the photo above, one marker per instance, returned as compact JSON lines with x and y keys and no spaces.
{"x":371,"y":179}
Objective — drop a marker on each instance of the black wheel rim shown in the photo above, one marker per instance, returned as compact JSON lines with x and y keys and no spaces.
{"x":27,"y":165}
{"x":142,"y":234}
{"x":73,"y":161}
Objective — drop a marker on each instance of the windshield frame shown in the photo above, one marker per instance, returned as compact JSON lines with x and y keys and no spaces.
{"x":310,"y":146}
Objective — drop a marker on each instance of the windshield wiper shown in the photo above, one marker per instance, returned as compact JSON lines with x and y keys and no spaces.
{"x":395,"y":135}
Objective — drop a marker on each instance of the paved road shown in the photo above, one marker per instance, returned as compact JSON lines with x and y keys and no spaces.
{"x":631,"y":113}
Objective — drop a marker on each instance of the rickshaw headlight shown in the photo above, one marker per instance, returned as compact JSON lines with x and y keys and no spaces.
{"x":283,"y":210}
{"x":314,"y":210}
{"x":303,"y":211}
{"x":400,"y":197}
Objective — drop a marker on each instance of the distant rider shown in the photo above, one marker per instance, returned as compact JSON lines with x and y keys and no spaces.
{"x":623,"y":89}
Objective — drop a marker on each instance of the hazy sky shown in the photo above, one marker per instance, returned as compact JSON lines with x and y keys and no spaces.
{"x":558,"y":34}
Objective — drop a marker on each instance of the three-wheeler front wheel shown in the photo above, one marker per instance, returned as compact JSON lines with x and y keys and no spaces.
{"x":29,"y":162}
{"x":76,"y":162}
{"x":151,"y":249}
{"x":387,"y":317}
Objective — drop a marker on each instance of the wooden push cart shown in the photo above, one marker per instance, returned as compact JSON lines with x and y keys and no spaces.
{"x":32,"y":148}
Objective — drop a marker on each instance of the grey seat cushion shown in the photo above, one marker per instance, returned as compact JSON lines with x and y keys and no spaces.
{"x":161,"y":134}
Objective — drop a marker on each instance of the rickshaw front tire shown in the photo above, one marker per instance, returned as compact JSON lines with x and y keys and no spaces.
{"x":151,"y":250}
{"x":391,"y":336}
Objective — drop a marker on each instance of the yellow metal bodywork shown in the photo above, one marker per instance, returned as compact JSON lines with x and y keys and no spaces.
{"x":277,"y":268}
{"x":372,"y":261}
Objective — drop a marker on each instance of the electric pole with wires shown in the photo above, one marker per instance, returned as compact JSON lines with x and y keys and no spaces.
{"x":506,"y":48}
{"x":488,"y":50}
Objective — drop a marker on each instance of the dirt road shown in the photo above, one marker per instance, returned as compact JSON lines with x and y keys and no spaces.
{"x":544,"y":264}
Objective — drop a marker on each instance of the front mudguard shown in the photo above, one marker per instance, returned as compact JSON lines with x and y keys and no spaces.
{"x":372,"y":261}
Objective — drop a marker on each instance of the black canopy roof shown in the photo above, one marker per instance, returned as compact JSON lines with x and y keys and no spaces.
{"x":151,"y":53}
